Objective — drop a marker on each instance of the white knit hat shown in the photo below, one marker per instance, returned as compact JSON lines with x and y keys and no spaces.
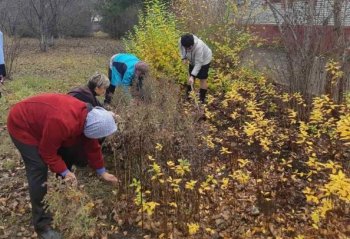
{"x":99,"y":123}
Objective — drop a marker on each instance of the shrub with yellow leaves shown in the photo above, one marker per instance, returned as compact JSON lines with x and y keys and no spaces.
{"x":338,"y":185}
{"x":343,"y":128}
{"x":334,"y":69}
{"x":257,"y":140}
{"x":267,"y":129}
{"x":154,"y":40}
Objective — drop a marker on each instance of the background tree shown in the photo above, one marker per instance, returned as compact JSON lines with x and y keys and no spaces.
{"x":118,"y":16}
{"x":77,"y":19}
{"x":312,"y":34}
{"x":43,"y":17}
{"x":10,"y":17}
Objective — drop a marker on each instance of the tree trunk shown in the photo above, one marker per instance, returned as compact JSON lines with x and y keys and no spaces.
{"x":340,"y":44}
{"x":43,"y":36}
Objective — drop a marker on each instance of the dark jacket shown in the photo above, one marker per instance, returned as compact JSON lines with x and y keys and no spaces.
{"x":2,"y":70}
{"x":86,"y":95}
{"x":52,"y":121}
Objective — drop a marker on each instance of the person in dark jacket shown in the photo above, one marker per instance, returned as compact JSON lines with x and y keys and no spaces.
{"x":96,"y":86}
{"x":39,"y":126}
{"x":124,"y":68}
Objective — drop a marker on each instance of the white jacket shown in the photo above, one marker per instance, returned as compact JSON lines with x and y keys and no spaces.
{"x":199,"y":55}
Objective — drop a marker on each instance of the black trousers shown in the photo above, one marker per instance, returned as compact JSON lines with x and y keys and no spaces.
{"x":36,"y":172}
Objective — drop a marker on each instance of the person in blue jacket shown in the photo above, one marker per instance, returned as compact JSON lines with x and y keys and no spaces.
{"x":2,"y":61}
{"x":124,"y":69}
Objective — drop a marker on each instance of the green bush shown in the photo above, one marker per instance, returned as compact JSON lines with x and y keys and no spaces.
{"x":154,"y":40}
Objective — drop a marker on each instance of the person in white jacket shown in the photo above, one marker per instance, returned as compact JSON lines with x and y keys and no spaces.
{"x":2,"y":59}
{"x":199,"y":55}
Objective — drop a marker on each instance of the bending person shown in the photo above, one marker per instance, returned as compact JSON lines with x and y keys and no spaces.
{"x":2,"y":58}
{"x":96,"y":86}
{"x":124,"y":69}
{"x":39,"y":127}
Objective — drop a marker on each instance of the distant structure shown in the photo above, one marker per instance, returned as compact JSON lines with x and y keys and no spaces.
{"x":96,"y":23}
{"x":266,"y":24}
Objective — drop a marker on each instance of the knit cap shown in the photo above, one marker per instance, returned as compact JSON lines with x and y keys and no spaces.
{"x":99,"y":123}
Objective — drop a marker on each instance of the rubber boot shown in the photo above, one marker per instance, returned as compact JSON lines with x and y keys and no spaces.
{"x":188,"y":91}
{"x":202,"y":95}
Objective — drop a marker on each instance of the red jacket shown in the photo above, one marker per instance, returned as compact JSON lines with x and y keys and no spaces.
{"x":50,"y":121}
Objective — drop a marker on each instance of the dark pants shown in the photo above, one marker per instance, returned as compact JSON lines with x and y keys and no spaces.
{"x":36,"y":171}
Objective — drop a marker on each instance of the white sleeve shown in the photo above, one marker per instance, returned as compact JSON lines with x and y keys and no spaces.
{"x":198,"y":61}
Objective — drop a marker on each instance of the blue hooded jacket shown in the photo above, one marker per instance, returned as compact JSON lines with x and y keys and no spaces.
{"x":2,"y":60}
{"x":122,"y":69}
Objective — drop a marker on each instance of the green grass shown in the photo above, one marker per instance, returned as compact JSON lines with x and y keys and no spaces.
{"x":67,"y":65}
{"x":9,"y":164}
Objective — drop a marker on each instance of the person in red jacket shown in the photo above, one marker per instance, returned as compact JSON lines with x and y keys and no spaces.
{"x":39,"y":126}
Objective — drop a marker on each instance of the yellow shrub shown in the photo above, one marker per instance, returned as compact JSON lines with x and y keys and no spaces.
{"x":154,"y":40}
{"x":343,"y":128}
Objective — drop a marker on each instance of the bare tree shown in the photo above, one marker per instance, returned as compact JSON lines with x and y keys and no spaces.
{"x":10,"y":15}
{"x":9,"y":20}
{"x":43,"y":17}
{"x":312,"y":33}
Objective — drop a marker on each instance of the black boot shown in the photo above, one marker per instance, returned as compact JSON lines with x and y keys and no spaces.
{"x":202,"y":95}
{"x":188,"y":91}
